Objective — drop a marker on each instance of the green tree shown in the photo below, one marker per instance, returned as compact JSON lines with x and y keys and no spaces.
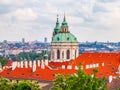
{"x":79,"y":81}
{"x":117,"y":88}
{"x":5,"y":84}
{"x":3,"y":61}
{"x":30,"y":56}
{"x":26,"y":85}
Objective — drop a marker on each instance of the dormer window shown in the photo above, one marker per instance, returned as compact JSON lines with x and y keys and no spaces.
{"x":53,"y":74}
{"x":67,"y":38}
{"x":58,"y":38}
{"x":65,"y":30}
{"x":117,"y":56}
{"x":37,"y":74}
{"x":23,"y":74}
{"x":108,"y":55}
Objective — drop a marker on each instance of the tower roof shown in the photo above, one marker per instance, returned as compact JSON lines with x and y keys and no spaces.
{"x":57,"y":26}
{"x":64,"y":23}
{"x":64,"y":37}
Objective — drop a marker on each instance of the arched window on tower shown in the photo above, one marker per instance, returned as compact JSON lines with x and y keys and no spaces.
{"x":65,"y":29}
{"x":58,"y":54}
{"x":53,"y":55}
{"x":63,"y":55}
{"x":75,"y":53}
{"x":68,"y":54}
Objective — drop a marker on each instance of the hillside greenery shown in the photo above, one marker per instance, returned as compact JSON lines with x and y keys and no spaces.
{"x":79,"y":81}
{"x":6,"y":84}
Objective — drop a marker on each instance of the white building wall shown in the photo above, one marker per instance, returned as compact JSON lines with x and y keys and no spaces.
{"x":64,"y":47}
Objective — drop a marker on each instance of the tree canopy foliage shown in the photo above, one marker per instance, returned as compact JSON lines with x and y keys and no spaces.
{"x":6,"y":84}
{"x":32,"y":56}
{"x":3,"y":61}
{"x":79,"y":81}
{"x":118,"y":88}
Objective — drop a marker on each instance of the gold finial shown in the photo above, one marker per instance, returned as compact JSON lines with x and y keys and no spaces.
{"x":64,"y":17}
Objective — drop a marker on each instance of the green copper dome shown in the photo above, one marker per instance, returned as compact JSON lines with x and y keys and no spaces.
{"x":64,"y":37}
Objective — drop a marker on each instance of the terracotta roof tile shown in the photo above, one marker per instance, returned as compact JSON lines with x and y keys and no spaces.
{"x":107,"y":64}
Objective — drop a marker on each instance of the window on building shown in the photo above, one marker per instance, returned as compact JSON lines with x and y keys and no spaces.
{"x":75,"y":53}
{"x":37,"y":74}
{"x":58,"y":38}
{"x":68,"y":54}
{"x":65,"y":30}
{"x":22,"y":74}
{"x":67,"y":38}
{"x":52,"y":54}
{"x":63,"y":55}
{"x":58,"y":54}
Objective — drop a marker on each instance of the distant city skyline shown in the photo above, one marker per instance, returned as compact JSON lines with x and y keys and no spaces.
{"x":88,"y":20}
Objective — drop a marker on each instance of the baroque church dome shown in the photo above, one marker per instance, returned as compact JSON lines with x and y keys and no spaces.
{"x":64,"y":45}
{"x":62,"y":34}
{"x":64,"y":37}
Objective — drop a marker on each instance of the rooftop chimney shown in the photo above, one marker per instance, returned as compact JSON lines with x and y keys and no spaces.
{"x":26,"y":64}
{"x":103,"y":64}
{"x":46,"y":62}
{"x":14,"y":65}
{"x":42,"y":64}
{"x":34,"y":67}
{"x":30,"y":63}
{"x":18,"y":64}
{"x":38,"y":62}
{"x":21,"y":64}
{"x":110,"y":79}
{"x":87,"y":66}
{"x":63,"y":66}
{"x":118,"y":72}
{"x":34,"y":62}
{"x":76,"y":67}
{"x":90,"y":66}
{"x":69,"y":67}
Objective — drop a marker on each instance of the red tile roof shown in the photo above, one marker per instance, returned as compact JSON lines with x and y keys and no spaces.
{"x":21,"y":73}
{"x":111,"y":62}
{"x":9,"y":63}
{"x":107,"y":64}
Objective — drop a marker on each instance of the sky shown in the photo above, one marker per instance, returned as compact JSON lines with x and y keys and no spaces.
{"x":88,"y":20}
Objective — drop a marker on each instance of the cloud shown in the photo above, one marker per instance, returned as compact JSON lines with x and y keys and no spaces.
{"x":106,"y":1}
{"x":24,"y":14}
{"x":89,"y":20}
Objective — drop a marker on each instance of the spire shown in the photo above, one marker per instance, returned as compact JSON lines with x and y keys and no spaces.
{"x":57,"y":18}
{"x":64,"y":17}
{"x":57,"y":22}
{"x":64,"y":27}
{"x":57,"y":27}
{"x":64,"y":23}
